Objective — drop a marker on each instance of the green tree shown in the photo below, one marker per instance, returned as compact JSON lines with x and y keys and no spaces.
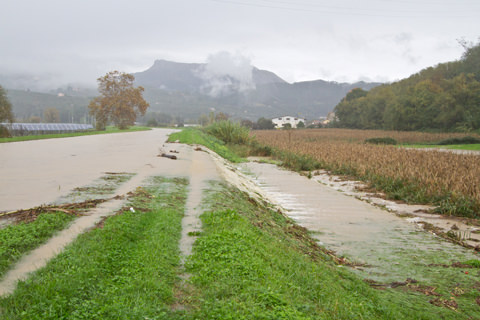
{"x":247,"y":123}
{"x":301,"y":125}
{"x":204,"y":120}
{"x":6,"y":114}
{"x":51,"y":115}
{"x":119,"y":102}
{"x":264,"y":124}
{"x":221,"y":117}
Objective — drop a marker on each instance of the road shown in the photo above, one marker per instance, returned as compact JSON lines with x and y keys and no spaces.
{"x":38,"y":172}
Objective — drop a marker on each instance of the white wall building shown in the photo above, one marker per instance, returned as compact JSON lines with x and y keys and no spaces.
{"x":293,"y":121}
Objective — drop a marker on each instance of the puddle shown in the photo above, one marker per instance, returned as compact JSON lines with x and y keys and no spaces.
{"x":391,"y":247}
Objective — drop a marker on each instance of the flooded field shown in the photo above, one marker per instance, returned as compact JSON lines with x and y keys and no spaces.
{"x":390,"y":248}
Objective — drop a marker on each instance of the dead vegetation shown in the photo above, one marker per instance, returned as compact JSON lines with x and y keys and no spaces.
{"x":30,"y":215}
{"x":452,"y":179}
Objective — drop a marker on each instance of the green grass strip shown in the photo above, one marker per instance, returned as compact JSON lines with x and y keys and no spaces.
{"x":252,"y":263}
{"x":74,"y":134}
{"x":18,"y":239}
{"x":197,"y":136}
{"x":124,"y":270}
{"x":472,"y":147}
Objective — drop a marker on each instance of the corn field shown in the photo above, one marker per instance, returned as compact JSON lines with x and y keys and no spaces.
{"x":439,"y":176}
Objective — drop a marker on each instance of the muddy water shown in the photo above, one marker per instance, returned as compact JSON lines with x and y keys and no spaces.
{"x":392,"y":247}
{"x":30,"y":182}
{"x":37,"y":172}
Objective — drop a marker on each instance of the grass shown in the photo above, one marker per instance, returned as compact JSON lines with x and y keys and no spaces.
{"x":18,"y":239}
{"x":249,"y":262}
{"x":197,"y":136}
{"x":74,"y":134}
{"x":473,"y":147}
{"x":126,"y":268}
{"x":253,"y":263}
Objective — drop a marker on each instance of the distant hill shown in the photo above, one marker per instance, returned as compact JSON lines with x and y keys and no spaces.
{"x":27,"y":104}
{"x":186,"y":88}
{"x":445,"y":97}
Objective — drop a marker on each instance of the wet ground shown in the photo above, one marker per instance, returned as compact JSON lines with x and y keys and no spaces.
{"x":42,"y":171}
{"x":391,"y":248}
{"x":105,"y":166}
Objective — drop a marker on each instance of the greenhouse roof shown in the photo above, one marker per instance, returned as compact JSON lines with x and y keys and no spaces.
{"x":48,"y":126}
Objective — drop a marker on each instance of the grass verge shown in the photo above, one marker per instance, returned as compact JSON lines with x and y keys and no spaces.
{"x":18,"y":239}
{"x":253,"y":263}
{"x":471,"y":147}
{"x":126,"y":268}
{"x":197,"y":136}
{"x":75,"y":134}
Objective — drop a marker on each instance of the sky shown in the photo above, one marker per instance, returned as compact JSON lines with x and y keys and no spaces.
{"x":77,"y":41}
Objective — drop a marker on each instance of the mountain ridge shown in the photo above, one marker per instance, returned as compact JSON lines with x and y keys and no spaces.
{"x":188,"y":90}
{"x":242,"y":93}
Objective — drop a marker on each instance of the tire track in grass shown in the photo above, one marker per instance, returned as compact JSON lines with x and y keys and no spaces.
{"x":202,"y":170}
{"x":39,"y":257}
{"x":125,"y":268}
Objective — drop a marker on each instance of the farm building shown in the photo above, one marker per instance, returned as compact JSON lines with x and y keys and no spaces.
{"x":282,"y":121}
{"x":25,"y":129}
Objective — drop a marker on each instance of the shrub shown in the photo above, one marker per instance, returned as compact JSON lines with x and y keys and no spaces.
{"x":462,"y":140}
{"x":385,"y":140}
{"x":229,"y":132}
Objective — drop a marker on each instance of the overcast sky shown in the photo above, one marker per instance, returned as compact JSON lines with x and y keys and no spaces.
{"x":342,"y":40}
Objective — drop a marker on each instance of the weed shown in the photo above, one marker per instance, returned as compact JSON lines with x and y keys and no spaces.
{"x":229,"y":132}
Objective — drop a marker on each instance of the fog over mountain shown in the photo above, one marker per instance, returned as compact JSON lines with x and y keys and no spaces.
{"x":231,"y":85}
{"x":226,"y":83}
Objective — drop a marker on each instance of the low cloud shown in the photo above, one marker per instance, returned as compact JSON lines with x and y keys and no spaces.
{"x":225,"y":73}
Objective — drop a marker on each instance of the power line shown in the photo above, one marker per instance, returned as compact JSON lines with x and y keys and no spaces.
{"x":332,"y":10}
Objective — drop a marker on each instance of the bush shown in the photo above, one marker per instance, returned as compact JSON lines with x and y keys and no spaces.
{"x":385,"y":140}
{"x":462,"y":140}
{"x":4,"y":133}
{"x":229,"y":132}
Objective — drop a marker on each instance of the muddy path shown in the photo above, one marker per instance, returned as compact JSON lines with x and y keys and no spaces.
{"x":38,"y":172}
{"x":391,"y":248}
{"x":137,"y":154}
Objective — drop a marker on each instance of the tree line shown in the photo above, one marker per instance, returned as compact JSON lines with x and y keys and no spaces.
{"x":445,"y":97}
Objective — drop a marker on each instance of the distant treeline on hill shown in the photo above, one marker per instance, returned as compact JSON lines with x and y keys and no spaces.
{"x":445,"y":97}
